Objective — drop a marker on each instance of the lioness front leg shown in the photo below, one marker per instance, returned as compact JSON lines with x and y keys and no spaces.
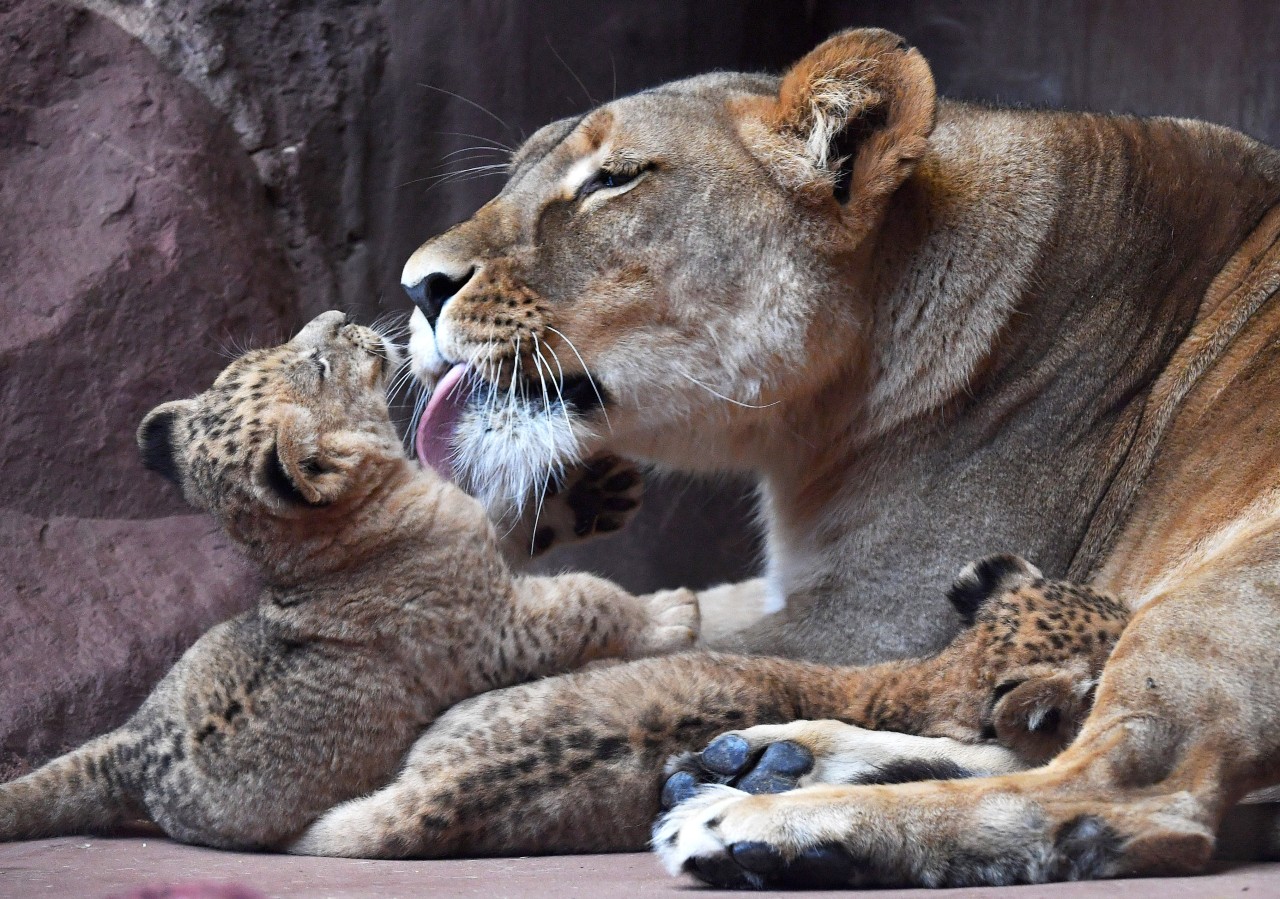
{"x":1009,"y":692}
{"x":1186,"y":722}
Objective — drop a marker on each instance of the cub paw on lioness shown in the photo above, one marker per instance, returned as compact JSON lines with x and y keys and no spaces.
{"x":1011,"y":691}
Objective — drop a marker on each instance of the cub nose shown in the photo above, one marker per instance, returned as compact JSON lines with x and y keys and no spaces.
{"x":432,"y":292}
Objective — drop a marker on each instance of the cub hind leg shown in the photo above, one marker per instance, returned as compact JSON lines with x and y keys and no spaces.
{"x":79,"y":792}
{"x":565,"y":764}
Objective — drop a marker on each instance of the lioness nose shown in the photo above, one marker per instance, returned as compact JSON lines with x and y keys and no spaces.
{"x":432,"y":292}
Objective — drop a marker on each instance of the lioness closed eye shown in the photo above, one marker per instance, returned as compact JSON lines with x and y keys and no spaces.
{"x":386,"y":601}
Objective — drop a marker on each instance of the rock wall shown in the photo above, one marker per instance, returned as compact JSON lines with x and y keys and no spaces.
{"x":137,"y":238}
{"x":176,"y":175}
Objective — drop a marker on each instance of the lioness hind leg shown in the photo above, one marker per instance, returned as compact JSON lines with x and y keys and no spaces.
{"x":1186,"y":721}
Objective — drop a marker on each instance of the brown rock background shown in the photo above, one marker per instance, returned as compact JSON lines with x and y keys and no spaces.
{"x":176,"y":175}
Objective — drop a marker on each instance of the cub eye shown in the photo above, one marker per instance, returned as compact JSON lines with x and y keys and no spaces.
{"x":609,"y":178}
{"x":321,"y":364}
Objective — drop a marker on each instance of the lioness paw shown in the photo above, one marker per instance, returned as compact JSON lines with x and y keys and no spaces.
{"x":673,"y":622}
{"x":775,"y":758}
{"x":728,"y":838}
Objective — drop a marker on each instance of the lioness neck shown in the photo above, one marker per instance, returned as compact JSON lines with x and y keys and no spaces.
{"x":1031,"y":280}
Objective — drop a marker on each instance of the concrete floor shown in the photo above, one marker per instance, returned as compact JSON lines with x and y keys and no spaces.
{"x":95,"y":868}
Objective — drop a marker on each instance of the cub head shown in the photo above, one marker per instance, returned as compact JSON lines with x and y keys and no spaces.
{"x":283,"y":430}
{"x":664,"y":273}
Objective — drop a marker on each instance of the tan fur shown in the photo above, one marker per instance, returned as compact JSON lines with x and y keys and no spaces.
{"x":574,"y":764}
{"x":386,"y":601}
{"x":1048,"y":332}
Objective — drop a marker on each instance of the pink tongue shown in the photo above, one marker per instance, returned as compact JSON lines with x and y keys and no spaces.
{"x":434,"y":440}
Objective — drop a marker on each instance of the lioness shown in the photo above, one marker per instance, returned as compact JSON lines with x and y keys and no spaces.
{"x":386,"y":601}
{"x":932,"y":330}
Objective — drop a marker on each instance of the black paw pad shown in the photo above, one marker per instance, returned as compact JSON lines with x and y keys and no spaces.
{"x":820,"y":868}
{"x":721,"y":871}
{"x":761,"y":858}
{"x":778,"y":769}
{"x":764,"y":865}
{"x":727,"y":754}
{"x":679,"y":787}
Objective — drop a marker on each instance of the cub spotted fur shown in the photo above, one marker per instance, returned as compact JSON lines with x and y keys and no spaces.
{"x":1010,"y":691}
{"x":386,"y":602}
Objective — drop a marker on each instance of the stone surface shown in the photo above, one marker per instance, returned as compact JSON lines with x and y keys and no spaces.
{"x":137,"y":238}
{"x":92,"y":868}
{"x":95,"y":611}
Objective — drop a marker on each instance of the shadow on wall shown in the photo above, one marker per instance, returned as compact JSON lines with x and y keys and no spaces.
{"x":181,"y":174}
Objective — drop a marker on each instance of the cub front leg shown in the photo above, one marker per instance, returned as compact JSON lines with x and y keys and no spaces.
{"x":561,"y":623}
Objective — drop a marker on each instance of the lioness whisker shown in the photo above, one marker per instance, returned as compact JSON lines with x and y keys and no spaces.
{"x":587,"y":372}
{"x":590,"y":99}
{"x":501,"y":173}
{"x":477,"y":150}
{"x":449,"y":177}
{"x":727,"y":399}
{"x":490,"y":113}
{"x":542,"y":492}
{"x":537,"y":348}
{"x":418,"y":408}
{"x":496,"y":143}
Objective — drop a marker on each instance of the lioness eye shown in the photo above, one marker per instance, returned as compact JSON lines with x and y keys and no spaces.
{"x":605,"y":179}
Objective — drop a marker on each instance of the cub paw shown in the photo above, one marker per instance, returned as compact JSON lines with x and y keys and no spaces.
{"x":674,"y":622}
{"x":600,"y":497}
{"x":1037,"y":716}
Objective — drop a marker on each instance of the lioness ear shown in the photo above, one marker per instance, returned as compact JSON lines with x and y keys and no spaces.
{"x":863,"y":103}
{"x":311,"y":468}
{"x":157,"y":438}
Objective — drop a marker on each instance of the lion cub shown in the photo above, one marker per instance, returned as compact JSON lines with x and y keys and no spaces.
{"x":386,"y":602}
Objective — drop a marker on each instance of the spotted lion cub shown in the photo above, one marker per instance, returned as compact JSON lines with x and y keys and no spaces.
{"x":386,"y":602}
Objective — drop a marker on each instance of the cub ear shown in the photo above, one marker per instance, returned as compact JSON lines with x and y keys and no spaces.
{"x":979,"y":581}
{"x":863,"y":103}
{"x":157,"y":438}
{"x":309,"y":468}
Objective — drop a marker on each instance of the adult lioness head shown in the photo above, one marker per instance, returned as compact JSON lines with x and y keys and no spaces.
{"x":662,"y":272}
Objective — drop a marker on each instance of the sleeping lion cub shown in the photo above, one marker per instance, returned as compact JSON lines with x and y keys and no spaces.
{"x":386,"y":602}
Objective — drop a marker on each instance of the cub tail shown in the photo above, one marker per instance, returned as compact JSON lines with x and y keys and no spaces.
{"x":80,"y":792}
